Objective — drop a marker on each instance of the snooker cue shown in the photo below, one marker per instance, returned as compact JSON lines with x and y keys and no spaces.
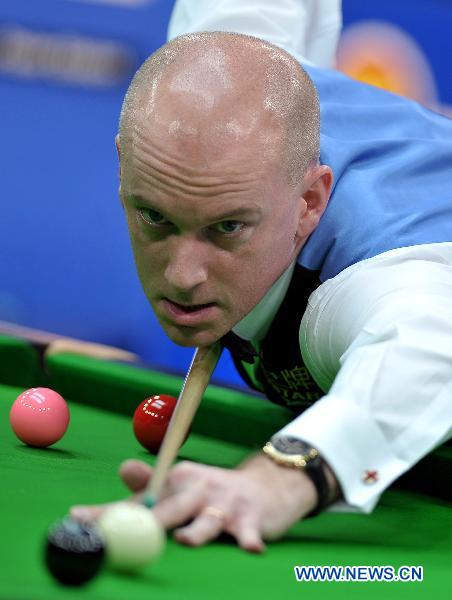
{"x":198,"y":376}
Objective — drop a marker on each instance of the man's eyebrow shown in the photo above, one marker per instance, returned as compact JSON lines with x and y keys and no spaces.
{"x":238,"y":212}
{"x":242,"y":211}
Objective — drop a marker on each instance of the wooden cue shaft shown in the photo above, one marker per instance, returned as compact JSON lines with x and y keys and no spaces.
{"x":196,"y":381}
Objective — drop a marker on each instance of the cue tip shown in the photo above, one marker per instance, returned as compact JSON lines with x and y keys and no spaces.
{"x":149,"y":501}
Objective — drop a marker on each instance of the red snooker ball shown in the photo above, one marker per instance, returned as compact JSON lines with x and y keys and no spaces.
{"x":39,"y":417}
{"x":151,"y":420}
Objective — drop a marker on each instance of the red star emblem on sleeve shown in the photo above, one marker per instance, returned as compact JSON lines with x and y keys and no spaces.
{"x":370,"y":476}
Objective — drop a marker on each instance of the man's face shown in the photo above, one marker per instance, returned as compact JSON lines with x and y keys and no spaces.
{"x":212,"y":225}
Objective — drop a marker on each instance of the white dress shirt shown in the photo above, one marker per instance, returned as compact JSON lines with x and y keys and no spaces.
{"x":377,"y":338}
{"x":310,"y":28}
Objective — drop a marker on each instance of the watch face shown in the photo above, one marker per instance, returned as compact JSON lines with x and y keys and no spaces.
{"x":290,"y":445}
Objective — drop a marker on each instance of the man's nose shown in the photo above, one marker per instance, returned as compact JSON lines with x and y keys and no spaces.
{"x":187,"y":264}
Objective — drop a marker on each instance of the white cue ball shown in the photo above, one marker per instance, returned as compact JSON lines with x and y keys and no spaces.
{"x":133,"y":536}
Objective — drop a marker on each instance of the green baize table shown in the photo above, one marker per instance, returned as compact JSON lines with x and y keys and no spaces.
{"x":412,"y":524}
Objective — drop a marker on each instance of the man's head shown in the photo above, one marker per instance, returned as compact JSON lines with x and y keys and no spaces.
{"x":220,"y":181}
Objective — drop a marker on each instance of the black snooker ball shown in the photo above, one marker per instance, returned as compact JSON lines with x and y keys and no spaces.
{"x":74,"y":552}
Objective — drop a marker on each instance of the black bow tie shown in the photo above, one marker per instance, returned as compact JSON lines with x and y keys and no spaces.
{"x":239,"y":348}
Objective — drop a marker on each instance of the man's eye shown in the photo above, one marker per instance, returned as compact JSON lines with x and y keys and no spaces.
{"x":228,"y":227}
{"x":152,"y":217}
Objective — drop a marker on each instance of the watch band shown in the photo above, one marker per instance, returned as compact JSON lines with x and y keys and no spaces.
{"x":294,"y":453}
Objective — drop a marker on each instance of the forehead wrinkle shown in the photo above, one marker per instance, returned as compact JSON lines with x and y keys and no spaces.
{"x":174,"y":171}
{"x":171,"y":184}
{"x":182,"y":176}
{"x":174,"y":155}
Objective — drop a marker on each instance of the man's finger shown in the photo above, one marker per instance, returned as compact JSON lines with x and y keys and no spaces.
{"x":245,"y":529}
{"x":205,"y":528}
{"x":87,"y":513}
{"x":177,"y":510}
{"x":135,"y":474}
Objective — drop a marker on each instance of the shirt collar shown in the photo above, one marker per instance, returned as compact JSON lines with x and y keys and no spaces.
{"x":254,"y":326}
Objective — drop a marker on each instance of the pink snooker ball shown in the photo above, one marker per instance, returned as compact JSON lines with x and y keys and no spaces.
{"x":39,"y":417}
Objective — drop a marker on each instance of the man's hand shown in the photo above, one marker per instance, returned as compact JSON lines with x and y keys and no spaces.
{"x":257,"y":501}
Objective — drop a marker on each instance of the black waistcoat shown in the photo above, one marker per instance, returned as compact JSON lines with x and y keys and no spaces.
{"x":281,"y":372}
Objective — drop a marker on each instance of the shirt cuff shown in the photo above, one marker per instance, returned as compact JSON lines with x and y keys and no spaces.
{"x":353,"y":445}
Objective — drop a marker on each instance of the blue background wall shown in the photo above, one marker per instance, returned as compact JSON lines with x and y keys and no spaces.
{"x":65,"y":259}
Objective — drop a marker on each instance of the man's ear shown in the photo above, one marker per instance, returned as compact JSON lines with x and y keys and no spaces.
{"x":318,"y":182}
{"x":118,"y":150}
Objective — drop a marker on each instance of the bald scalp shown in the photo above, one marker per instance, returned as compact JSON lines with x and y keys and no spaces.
{"x":230,"y":83}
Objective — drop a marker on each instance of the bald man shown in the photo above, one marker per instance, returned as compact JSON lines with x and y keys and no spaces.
{"x":345,"y":304}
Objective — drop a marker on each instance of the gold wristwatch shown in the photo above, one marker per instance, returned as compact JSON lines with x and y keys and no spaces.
{"x":295,"y":454}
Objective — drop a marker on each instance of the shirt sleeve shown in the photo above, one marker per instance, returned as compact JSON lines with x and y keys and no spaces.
{"x":308,"y":28}
{"x":379,"y":336}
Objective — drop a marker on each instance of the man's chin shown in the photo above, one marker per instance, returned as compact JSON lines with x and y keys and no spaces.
{"x":191,"y":337}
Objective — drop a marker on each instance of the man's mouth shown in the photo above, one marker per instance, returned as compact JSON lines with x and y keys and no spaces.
{"x":188,"y":314}
{"x":190,"y":307}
